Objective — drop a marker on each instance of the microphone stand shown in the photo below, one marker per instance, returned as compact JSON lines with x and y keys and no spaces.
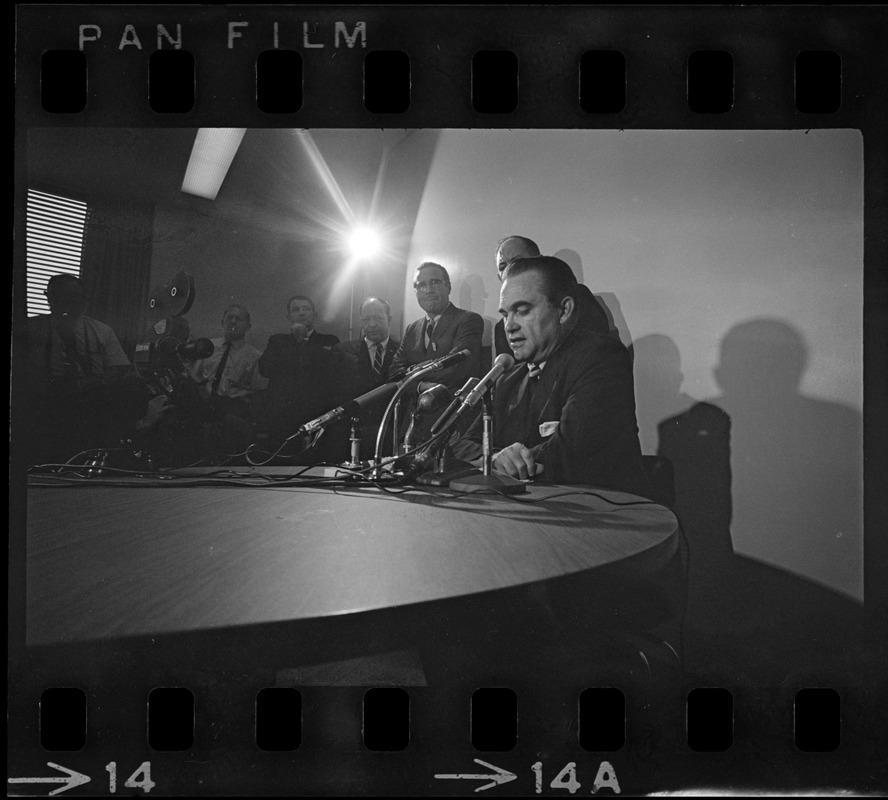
{"x":393,"y":409}
{"x":354,"y":461}
{"x":447,"y":468}
{"x":487,"y":480}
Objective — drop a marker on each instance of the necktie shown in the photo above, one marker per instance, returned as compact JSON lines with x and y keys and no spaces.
{"x":377,"y":359}
{"x":534,"y":371}
{"x":430,"y":329}
{"x":217,"y":378}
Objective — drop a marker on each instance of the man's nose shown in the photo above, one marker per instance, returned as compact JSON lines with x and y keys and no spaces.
{"x":510,"y":323}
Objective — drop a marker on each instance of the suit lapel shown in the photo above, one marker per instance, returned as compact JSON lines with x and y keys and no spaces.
{"x":389,"y":354}
{"x":442,"y":326}
{"x":416,"y":335}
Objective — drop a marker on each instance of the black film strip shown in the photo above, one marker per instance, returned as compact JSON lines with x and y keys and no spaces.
{"x":264,"y":708}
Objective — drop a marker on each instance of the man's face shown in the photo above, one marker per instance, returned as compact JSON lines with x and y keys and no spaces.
{"x":375,"y":321}
{"x":301,"y":311}
{"x":509,"y":250}
{"x":432,"y":290}
{"x":235,"y":324}
{"x":534,"y":326}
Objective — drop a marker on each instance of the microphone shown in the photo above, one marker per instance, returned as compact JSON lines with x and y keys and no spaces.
{"x":433,"y":398}
{"x":444,"y":419}
{"x":501,"y":364}
{"x":349,"y":408}
{"x":190,"y":351}
{"x":433,"y":366}
{"x":447,"y":361}
{"x":424,"y":460}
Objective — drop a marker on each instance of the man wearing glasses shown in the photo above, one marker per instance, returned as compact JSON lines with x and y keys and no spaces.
{"x":443,"y":329}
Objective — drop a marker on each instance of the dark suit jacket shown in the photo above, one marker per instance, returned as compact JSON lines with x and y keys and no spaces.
{"x":456,"y":330}
{"x":591,"y":317}
{"x":318,"y":339}
{"x":304,"y":382}
{"x":362,"y":377}
{"x":586,"y":394}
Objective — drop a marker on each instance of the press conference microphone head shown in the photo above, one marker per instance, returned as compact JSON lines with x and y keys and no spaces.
{"x":504,"y":361}
{"x":447,"y":415}
{"x":433,"y":398}
{"x":450,"y":359}
{"x":501,"y":364}
{"x":467,"y":387}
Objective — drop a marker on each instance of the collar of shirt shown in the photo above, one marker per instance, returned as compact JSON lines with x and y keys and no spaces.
{"x":237,"y":344}
{"x":370,"y":344}
{"x":535,"y":370}
{"x":433,"y":320}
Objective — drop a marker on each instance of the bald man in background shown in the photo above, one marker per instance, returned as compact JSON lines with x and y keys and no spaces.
{"x":590,"y":314}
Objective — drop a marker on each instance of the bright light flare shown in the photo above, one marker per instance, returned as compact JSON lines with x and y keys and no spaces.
{"x":363,"y":242}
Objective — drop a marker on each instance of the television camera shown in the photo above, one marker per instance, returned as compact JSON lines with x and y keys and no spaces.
{"x":160,"y":358}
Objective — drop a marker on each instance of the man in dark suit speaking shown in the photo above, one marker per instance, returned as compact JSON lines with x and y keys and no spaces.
{"x":566,"y":411}
{"x":444,"y":329}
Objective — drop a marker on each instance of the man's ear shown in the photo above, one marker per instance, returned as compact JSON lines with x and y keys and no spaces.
{"x":568,"y":305}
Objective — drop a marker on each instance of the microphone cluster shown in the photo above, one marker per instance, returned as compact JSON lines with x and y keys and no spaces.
{"x":385,"y":391}
{"x":463,"y":402}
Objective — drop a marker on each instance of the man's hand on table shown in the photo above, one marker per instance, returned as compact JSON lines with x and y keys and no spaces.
{"x":517,"y":461}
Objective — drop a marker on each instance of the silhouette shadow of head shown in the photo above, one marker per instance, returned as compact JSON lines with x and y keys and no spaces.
{"x":658,"y":380}
{"x":761,"y":360}
{"x":473,"y":297}
{"x":768,"y":492}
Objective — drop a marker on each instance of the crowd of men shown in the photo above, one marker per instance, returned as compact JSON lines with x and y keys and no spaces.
{"x":565,"y":412}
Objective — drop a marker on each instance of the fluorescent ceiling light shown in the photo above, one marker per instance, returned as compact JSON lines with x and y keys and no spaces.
{"x":211,"y":156}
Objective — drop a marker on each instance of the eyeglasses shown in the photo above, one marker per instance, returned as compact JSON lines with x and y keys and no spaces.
{"x":377,"y":320}
{"x":431,"y":283}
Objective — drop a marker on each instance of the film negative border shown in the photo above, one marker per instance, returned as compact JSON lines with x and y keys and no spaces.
{"x":749,"y":56}
{"x":483,"y":67}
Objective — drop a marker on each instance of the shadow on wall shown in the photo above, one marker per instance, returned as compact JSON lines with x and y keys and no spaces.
{"x":658,"y":379}
{"x":608,"y":300}
{"x":762,"y":474}
{"x":473,"y":297}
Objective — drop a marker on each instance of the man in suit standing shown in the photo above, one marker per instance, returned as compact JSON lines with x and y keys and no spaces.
{"x":444,"y":329}
{"x":304,"y":371}
{"x":369,"y":360}
{"x":301,"y":311}
{"x":370,"y":357}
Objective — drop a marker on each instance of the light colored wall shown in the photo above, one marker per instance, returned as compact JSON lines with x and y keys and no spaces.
{"x":686,"y":235}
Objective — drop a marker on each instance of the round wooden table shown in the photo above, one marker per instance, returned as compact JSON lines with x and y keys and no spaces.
{"x":109,"y":562}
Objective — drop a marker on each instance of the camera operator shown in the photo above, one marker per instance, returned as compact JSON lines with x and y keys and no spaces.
{"x":82,"y":391}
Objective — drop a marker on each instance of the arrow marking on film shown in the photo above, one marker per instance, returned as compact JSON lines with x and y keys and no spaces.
{"x":499,"y":776}
{"x":70,"y":780}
